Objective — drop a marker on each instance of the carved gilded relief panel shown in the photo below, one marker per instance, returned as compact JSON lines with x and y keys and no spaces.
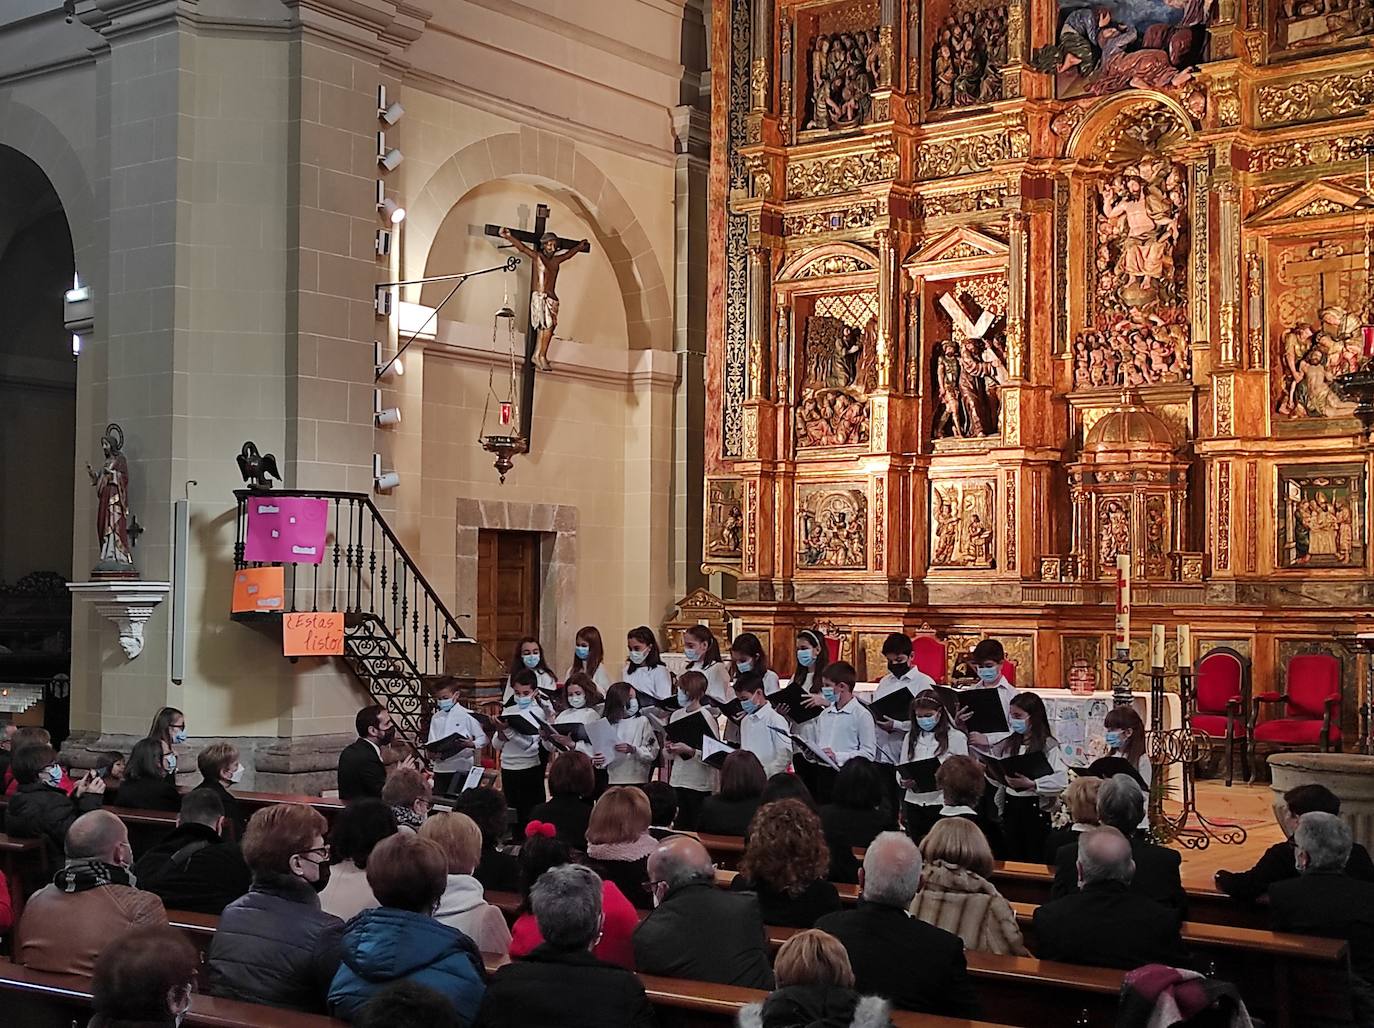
{"x":832,"y":527}
{"x":724,"y":520}
{"x":968,"y":50}
{"x":1321,"y":516}
{"x":1322,"y":26}
{"x":840,"y":62}
{"x":963,"y":523}
{"x":837,"y":369}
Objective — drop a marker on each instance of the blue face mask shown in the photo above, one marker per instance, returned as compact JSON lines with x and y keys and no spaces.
{"x":523,"y":701}
{"x":445,"y":705}
{"x":178,"y":735}
{"x":53,"y":776}
{"x":827,"y":694}
{"x":683,"y":699}
{"x":806,"y":657}
{"x":170,"y":761}
{"x":748,"y":706}
{"x":1114,"y":739}
{"x":927,"y":724}
{"x":990,"y":674}
{"x":638,"y":656}
{"x":582,"y":652}
{"x":531,"y":660}
{"x":744,"y":665}
{"x":1018,"y":724}
{"x":692,"y":653}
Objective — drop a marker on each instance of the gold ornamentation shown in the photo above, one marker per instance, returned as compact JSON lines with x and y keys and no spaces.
{"x":835,"y":264}
{"x":1320,"y":206}
{"x":1252,"y":533}
{"x":967,"y":153}
{"x":1011,"y":519}
{"x":1254,"y":299}
{"x":1190,"y":567}
{"x":968,"y":201}
{"x":1312,"y":99}
{"x":814,"y":223}
{"x":1254,"y":47}
{"x":1222,"y":386}
{"x":751,"y":526}
{"x":822,"y":176}
{"x":879,"y":519}
{"x":963,"y":524}
{"x":1068,"y":119}
{"x":758,"y":84}
{"x":1223,"y":525}
{"x":751,"y":433}
{"x":1145,"y":126}
{"x":882,"y":109}
{"x":1011,"y":417}
{"x":832,"y":527}
{"x":1300,"y":153}
{"x":1225,"y":96}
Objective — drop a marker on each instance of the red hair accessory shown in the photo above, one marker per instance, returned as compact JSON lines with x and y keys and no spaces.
{"x":540,"y":828}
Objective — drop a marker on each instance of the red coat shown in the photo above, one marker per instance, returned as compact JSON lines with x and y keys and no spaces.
{"x":616,"y":945}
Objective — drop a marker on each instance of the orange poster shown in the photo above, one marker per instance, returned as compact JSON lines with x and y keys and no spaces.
{"x":258,"y":589}
{"x":319,"y":634}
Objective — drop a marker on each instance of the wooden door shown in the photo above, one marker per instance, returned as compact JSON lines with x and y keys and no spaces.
{"x":507,"y":589}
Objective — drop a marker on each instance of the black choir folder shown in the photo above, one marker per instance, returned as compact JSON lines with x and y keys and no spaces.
{"x":895,"y":706}
{"x":989,"y":716}
{"x":715,"y":753}
{"x":522,"y":722}
{"x":449,"y":746}
{"x":920,"y":773}
{"x":1032,"y":765}
{"x":690,"y":730}
{"x":1106,"y":767}
{"x":793,"y":698}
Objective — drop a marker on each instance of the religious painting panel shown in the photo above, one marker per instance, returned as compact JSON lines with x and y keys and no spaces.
{"x":838,"y":368}
{"x":1132,"y":44}
{"x":963,"y":523}
{"x":1316,"y":290}
{"x":871,"y":666}
{"x":1321,"y":26}
{"x":1138,"y":299}
{"x":968,"y":356}
{"x":1021,"y":652}
{"x":832,"y":527}
{"x":724,"y":519}
{"x":968,"y":53}
{"x":843,"y":65}
{"x":1321,"y":516}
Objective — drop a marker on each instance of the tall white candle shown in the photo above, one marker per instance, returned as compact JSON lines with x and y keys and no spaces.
{"x":1123,"y":602}
{"x":1185,"y":646}
{"x":1156,"y":646}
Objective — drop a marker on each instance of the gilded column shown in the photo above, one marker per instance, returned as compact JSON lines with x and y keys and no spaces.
{"x":1017,"y":244}
{"x":761,"y":55}
{"x":887,"y":28}
{"x":758,"y":385}
{"x":887,"y":277}
{"x":1228,"y":273}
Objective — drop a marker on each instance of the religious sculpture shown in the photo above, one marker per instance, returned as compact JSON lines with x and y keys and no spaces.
{"x":1114,"y":532}
{"x":969,"y":52}
{"x":845,"y":68}
{"x":1313,"y":357}
{"x":965,"y":534}
{"x":967,"y":379}
{"x":1321,"y":516}
{"x":112,"y":504}
{"x":832,"y":528}
{"x":1315,"y":23}
{"x":725,"y":520}
{"x":839,"y":370}
{"x":545,"y":262}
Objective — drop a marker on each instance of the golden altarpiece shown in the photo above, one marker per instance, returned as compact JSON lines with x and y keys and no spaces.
{"x":1003,"y":288}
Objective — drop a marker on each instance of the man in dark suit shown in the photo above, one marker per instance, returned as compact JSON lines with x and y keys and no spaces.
{"x":1121,"y":805}
{"x":879,"y":929}
{"x":1105,"y":923}
{"x":361,"y":771}
{"x":1278,"y":862}
{"x":1325,"y":900}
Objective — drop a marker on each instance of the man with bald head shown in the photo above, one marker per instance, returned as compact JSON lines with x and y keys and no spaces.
{"x":881,"y":927}
{"x":696,"y":930}
{"x":92,"y":900}
{"x":1106,"y":924}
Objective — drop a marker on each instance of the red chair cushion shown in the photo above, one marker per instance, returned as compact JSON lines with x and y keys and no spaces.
{"x":928,"y":654}
{"x":1292,"y":731}
{"x":1219,"y":679}
{"x":1312,"y":677}
{"x":1215,"y":726}
{"x":1009,"y":672}
{"x":832,"y":650}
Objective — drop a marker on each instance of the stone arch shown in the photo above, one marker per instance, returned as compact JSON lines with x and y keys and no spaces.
{"x":31,"y":134}
{"x":1134,"y":119}
{"x":555,"y":164}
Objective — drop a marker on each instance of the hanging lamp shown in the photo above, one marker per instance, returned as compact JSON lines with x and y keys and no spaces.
{"x":503,"y":440}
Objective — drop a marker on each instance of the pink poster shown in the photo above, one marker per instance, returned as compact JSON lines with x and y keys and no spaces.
{"x":286,"y":530}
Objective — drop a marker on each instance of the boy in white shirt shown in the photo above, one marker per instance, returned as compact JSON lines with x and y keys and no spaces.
{"x":845,"y":728}
{"x":451,"y":716}
{"x":901,"y":674}
{"x":762,"y":730}
{"x":987,"y":660}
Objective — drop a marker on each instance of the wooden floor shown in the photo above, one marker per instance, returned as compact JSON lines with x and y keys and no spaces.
{"x":1249,"y":805}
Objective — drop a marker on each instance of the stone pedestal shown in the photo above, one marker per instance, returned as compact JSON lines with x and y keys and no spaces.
{"x":1349,"y":775}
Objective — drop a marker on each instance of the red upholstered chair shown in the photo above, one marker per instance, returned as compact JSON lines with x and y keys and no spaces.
{"x":1312,"y":703}
{"x":1009,"y":672}
{"x":928,"y":654}
{"x":1221,"y":697}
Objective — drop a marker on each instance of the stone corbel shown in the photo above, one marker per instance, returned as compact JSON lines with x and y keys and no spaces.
{"x":129,"y":604}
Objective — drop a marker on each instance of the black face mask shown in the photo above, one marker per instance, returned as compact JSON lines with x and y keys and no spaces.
{"x":319,"y":883}
{"x":388,"y":736}
{"x":898,"y":670}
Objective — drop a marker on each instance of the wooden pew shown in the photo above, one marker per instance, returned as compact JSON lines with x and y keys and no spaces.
{"x":253,"y":801}
{"x":26,"y":868}
{"x":36,"y":999}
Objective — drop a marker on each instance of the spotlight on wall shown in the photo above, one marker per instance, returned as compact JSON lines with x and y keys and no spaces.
{"x":385,"y":481}
{"x":383,"y":242}
{"x":392,"y":211}
{"x":76,"y":345}
{"x":389,"y":113}
{"x":391,"y":160}
{"x":386,"y":369}
{"x":385,"y":417}
{"x":381,"y":303}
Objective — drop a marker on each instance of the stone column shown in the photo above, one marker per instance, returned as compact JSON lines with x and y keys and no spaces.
{"x":1349,"y":775}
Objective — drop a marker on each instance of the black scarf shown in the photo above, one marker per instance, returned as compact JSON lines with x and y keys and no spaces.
{"x":91,"y":874}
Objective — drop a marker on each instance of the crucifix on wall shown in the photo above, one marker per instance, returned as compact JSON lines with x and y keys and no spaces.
{"x":546,"y":252}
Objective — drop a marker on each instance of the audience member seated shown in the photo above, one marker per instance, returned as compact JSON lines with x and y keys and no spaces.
{"x":275,"y":946}
{"x":1080,"y":800}
{"x":362,"y":772}
{"x":356,"y":830}
{"x":145,"y":978}
{"x":956,"y":894}
{"x":497,"y":870}
{"x":572,"y":782}
{"x":408,"y":794}
{"x":1106,"y":923}
{"x":40,"y":809}
{"x":815,"y":988}
{"x":697,"y":931}
{"x":408,"y":1004}
{"x":31,"y":735}
{"x":543,"y":850}
{"x":147,"y":785}
{"x":963,"y":781}
{"x":195,"y":868}
{"x":785,"y":862}
{"x":1326,"y":900}
{"x":662,"y":808}
{"x":880,"y":929}
{"x":7,"y":730}
{"x":729,"y":811}
{"x":562,"y":982}
{"x":111,"y":766}
{"x":464,"y":905}
{"x":844,"y":866}
{"x":1278,"y":863}
{"x":220,"y":769}
{"x":858,"y":809}
{"x":619,"y":843}
{"x":91,"y":900}
{"x":400,"y":941}
{"x":1121,"y":805}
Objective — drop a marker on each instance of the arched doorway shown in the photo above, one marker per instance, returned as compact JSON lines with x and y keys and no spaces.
{"x":37,"y":446}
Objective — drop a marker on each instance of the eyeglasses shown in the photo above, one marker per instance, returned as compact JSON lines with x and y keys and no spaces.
{"x":322,"y":851}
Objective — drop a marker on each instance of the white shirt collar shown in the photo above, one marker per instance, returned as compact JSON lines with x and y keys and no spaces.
{"x":948,"y":811}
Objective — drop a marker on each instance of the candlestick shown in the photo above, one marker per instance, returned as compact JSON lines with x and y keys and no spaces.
{"x":1123,"y":602}
{"x":1185,"y":646}
{"x":1156,"y":646}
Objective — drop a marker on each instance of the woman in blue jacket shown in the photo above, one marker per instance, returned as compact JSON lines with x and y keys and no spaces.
{"x":400,"y":940}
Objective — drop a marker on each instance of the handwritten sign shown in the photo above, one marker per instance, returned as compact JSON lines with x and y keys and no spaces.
{"x":258,"y":589}
{"x":286,"y":530}
{"x":319,"y":634}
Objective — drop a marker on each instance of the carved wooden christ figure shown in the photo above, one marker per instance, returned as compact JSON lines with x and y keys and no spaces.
{"x":545,"y":262}
{"x":968,"y":375}
{"x":112,"y":510}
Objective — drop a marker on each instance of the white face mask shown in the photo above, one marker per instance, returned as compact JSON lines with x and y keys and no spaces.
{"x":236,"y":775}
{"x":577,"y":700}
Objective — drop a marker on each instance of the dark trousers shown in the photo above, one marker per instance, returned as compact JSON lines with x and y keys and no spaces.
{"x":919,"y":820}
{"x":689,"y":803}
{"x":524,"y":791}
{"x":806,"y":771}
{"x":824,"y":783}
{"x":603,"y":782}
{"x":1024,"y":828}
